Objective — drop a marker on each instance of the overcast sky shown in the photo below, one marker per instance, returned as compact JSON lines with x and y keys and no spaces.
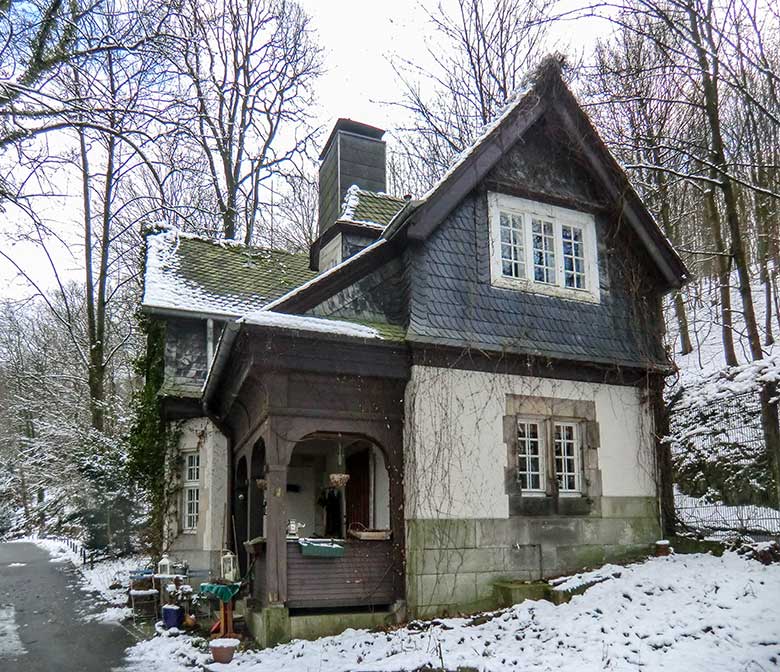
{"x":360,"y":39}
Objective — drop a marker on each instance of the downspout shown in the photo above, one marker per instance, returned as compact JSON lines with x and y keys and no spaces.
{"x":221,"y":356}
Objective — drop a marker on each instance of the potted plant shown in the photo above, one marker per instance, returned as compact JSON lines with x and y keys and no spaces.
{"x":222,"y":650}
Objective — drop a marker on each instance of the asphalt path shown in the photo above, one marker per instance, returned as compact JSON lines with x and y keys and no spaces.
{"x":44,"y":617}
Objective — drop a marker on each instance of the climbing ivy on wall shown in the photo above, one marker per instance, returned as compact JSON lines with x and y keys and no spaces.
{"x":150,"y":438}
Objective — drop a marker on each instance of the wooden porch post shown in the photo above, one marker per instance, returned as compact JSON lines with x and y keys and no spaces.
{"x":278,"y":454}
{"x":275,"y":535}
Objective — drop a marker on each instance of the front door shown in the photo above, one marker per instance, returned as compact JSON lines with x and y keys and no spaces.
{"x":358,"y":490}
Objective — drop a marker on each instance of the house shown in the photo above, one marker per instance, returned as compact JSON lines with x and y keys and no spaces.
{"x":475,"y":372}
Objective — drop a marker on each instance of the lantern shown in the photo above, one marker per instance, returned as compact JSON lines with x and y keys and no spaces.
{"x":229,"y":567}
{"x":164,"y":566}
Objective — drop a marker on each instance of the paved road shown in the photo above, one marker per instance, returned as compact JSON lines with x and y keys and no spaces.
{"x":42,"y":628}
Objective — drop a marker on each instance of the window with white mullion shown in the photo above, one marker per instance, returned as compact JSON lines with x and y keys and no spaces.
{"x":537,"y":247}
{"x":530,"y":455}
{"x":573,"y":254}
{"x":191,"y":491}
{"x":512,"y":245}
{"x":191,"y":508}
{"x":566,"y":455}
{"x":543,"y":250}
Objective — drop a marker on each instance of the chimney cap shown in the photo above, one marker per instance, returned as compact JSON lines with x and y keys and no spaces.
{"x":350,"y":126}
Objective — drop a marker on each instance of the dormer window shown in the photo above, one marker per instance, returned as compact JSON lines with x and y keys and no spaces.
{"x":543,"y":248}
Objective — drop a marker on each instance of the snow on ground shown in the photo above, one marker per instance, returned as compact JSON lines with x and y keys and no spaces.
{"x":98,"y":579}
{"x":683,"y":612}
{"x":707,"y":362}
{"x":567,"y":584}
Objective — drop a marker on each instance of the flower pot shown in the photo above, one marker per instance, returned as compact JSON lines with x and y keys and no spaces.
{"x":338,"y":480}
{"x":662,"y":548}
{"x":222,"y":650}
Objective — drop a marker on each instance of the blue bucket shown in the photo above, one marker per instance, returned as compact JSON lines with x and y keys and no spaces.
{"x":173,"y":616}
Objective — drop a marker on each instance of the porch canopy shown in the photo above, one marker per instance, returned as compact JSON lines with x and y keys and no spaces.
{"x":313,"y":409}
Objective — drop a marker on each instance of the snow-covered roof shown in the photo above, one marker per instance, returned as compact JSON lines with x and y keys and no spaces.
{"x":268,"y":318}
{"x":369,"y":208}
{"x":188,"y":274}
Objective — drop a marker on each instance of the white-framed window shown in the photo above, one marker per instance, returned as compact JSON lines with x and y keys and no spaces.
{"x":191,"y":492}
{"x":567,"y":456}
{"x":530,"y":455}
{"x":542,"y":441}
{"x":542,"y":248}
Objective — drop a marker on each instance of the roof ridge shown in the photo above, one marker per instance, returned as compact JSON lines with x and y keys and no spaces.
{"x":224,"y":243}
{"x":381,"y":194}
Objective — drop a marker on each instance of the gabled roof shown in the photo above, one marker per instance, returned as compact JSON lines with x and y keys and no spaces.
{"x":369,"y":207}
{"x":190,"y":275}
{"x":546,"y":93}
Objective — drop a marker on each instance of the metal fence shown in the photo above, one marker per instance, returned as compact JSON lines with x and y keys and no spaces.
{"x":732,"y":430}
{"x":713,"y":519}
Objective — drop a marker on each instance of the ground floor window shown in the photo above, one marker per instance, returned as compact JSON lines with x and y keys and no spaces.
{"x":547,"y":441}
{"x":191,"y":491}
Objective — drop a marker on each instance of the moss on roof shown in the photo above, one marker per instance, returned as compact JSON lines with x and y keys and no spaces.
{"x":387,"y":332}
{"x":376,"y":208}
{"x":193,"y":274}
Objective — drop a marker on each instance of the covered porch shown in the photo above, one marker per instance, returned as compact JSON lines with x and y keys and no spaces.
{"x":317,"y":444}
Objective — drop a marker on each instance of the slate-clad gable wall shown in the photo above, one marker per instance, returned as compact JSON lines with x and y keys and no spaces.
{"x":454,"y":303}
{"x":380,"y":297}
{"x":185,"y":356}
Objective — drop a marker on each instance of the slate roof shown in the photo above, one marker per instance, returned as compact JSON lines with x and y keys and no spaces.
{"x":184,"y":273}
{"x":452,"y":300}
{"x":369,"y":207}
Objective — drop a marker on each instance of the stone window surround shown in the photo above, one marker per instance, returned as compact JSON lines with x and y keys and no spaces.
{"x":551,"y":501}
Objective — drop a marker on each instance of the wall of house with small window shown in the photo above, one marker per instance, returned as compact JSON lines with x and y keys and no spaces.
{"x":535,"y":261}
{"x":476,"y":439}
{"x":196,"y":518}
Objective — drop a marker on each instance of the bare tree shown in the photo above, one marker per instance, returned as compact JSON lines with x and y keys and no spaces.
{"x":297,"y":210}
{"x":245,"y":69}
{"x":480,"y":52}
{"x":632,"y":90}
{"x":721,"y":54}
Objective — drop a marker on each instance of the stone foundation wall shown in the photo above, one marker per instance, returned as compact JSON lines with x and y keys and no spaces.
{"x":452,"y":565}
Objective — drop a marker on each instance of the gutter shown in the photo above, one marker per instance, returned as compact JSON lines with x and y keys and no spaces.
{"x":224,"y":348}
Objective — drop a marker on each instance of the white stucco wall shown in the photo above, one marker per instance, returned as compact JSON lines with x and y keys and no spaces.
{"x":198,"y":547}
{"x":380,"y":494}
{"x":330,"y":254}
{"x":456,"y":455}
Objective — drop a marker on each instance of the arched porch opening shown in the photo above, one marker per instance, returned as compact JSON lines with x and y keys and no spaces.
{"x":338,"y":484}
{"x":256,"y":491}
{"x":241,"y":513}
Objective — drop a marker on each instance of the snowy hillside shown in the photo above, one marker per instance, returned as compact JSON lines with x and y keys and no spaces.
{"x":684,"y":612}
{"x":715,"y":426}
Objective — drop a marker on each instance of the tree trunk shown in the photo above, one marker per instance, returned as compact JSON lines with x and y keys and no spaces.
{"x":724,"y":271}
{"x":769,"y":418}
{"x":682,"y":321}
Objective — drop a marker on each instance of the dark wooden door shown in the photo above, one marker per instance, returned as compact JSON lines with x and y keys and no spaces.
{"x":358,"y":488}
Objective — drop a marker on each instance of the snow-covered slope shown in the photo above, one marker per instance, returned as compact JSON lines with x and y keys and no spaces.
{"x":688,"y":613}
